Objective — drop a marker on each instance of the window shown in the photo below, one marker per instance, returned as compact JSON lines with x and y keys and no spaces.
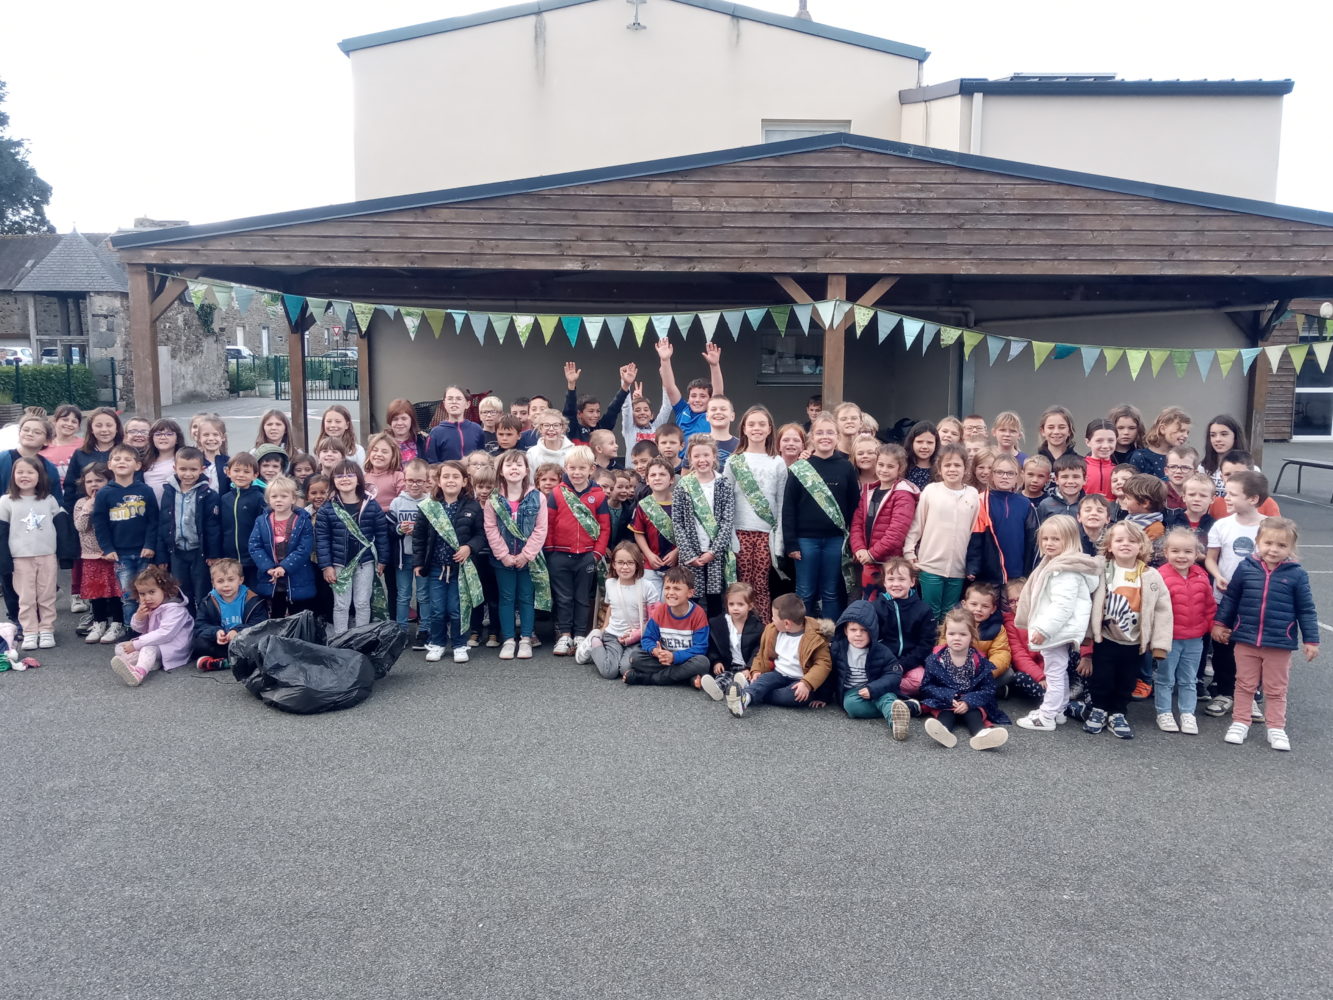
{"x":794,"y":359}
{"x":780,"y":129}
{"x":1313,"y":404}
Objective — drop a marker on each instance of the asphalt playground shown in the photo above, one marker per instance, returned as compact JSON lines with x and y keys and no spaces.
{"x":527,"y":829}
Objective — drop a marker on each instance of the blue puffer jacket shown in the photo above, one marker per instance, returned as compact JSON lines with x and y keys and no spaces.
{"x":1263,"y":607}
{"x":334,"y":543}
{"x":883,"y":672}
{"x":300,"y":570}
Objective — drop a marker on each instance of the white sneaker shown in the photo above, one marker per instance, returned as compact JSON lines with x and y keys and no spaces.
{"x":434,"y":654}
{"x":30,"y":641}
{"x":460,"y":654}
{"x":507,"y":650}
{"x":533,"y":641}
{"x":583,"y":648}
{"x":77,"y":605}
{"x":1236,"y":733}
{"x":990,"y":739}
{"x":95,"y":633}
{"x":1277,"y":739}
{"x":46,"y":640}
{"x":1166,"y":722}
{"x":935,"y":730}
{"x":115,"y":632}
{"x":525,"y":649}
{"x":564,"y":646}
{"x":1188,"y":724}
{"x":1034,"y":721}
{"x":709,"y":686}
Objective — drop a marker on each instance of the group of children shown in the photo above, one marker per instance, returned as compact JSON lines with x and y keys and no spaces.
{"x":930,"y":577}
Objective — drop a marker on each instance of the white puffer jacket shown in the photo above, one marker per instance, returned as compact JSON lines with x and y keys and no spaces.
{"x":1061,"y":606}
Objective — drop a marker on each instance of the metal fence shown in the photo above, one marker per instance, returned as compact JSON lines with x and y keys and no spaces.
{"x":48,"y":386}
{"x":325,"y":378}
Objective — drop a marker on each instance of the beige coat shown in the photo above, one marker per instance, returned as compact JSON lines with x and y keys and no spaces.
{"x":1156,"y":622}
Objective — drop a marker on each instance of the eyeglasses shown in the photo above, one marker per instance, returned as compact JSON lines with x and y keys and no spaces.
{"x":1179,"y":468}
{"x":416,"y":482}
{"x":1004,"y":474}
{"x":345,"y":475}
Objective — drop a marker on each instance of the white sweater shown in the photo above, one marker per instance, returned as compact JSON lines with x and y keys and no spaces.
{"x":770,"y":472}
{"x":539,"y":454}
{"x":941,"y":529}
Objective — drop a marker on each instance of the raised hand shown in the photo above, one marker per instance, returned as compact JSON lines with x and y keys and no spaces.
{"x":627,"y":375}
{"x":572,"y":373}
{"x":664,"y":349}
{"x":713,"y":355}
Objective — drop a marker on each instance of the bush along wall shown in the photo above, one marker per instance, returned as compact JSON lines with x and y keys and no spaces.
{"x":48,"y":385}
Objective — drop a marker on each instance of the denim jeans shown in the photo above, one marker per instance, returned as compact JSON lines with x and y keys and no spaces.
{"x":1180,"y":671}
{"x":446,"y":628}
{"x":776,"y":689}
{"x":191,"y":572}
{"x":127,"y":568}
{"x":405,"y":579}
{"x":817,"y":574}
{"x":516,"y":592}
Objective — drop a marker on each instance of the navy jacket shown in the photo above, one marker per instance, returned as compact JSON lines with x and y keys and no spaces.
{"x":906,"y":628}
{"x":79,"y":461}
{"x":432,"y":553}
{"x":208,"y":617}
{"x":719,"y":640}
{"x":1007,"y":535}
{"x":610,"y":420}
{"x":1264,"y":608}
{"x":7,"y":459}
{"x":238,"y":511}
{"x":300,"y":570}
{"x":454,"y":441}
{"x":883,"y":671}
{"x":334,"y":544}
{"x":206,"y":515}
{"x":125,"y":518}
{"x":939,"y":689}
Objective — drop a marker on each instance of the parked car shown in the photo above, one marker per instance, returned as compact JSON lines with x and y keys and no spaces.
{"x":342,"y":354}
{"x":52,"y":356}
{"x":237,"y":352}
{"x":15,"y":355}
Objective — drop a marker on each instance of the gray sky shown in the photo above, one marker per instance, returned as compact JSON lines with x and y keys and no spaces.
{"x":204,"y":112}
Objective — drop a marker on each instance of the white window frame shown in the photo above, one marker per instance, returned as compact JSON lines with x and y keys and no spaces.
{"x":782,"y":129}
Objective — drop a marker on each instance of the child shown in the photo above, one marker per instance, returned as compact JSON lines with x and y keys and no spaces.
{"x":1100,"y":438}
{"x":225,"y":610}
{"x":941,"y":531}
{"x":271,"y":462}
{"x":1182,"y":461}
{"x":1267,"y":598}
{"x":280,"y":546}
{"x":868,"y":674}
{"x":189,"y":535}
{"x":337,"y":424}
{"x":1120,"y":477}
{"x":669,"y":440}
{"x":620,"y":501}
{"x":793,"y":444}
{"x":982,"y":602}
{"x":104,"y":433}
{"x":1129,"y":432}
{"x":1198,"y":497}
{"x":402,"y":514}
{"x":733,"y":640}
{"x":1143,"y":501}
{"x":959,"y":686}
{"x":276,"y":428}
{"x":1055,"y":429}
{"x":303,"y":467}
{"x":1055,"y":607}
{"x":703,"y":513}
{"x":317,"y":490}
{"x":721,"y":414}
{"x":1131,"y":614}
{"x":1027,"y":675}
{"x":212,"y":442}
{"x":328,"y":452}
{"x":1224,"y":435}
{"x":163,"y":623}
{"x":637,"y":420}
{"x":950,"y":430}
{"x":515,"y":521}
{"x":1172,"y":427}
{"x":980,"y":464}
{"x":1004,"y":531}
{"x":481,"y":483}
{"x":125,"y":520}
{"x":579,"y":530}
{"x":922,"y":444}
{"x":1071,"y":472}
{"x":583,"y":415}
{"x":640,"y":455}
{"x":38,"y":534}
{"x":906,"y":625}
{"x":883,"y":517}
{"x":609,"y":647}
{"x":674,"y":646}
{"x":165,"y":438}
{"x":97,"y":575}
{"x":793,"y":660}
{"x":1094,"y":514}
{"x":490,"y":411}
{"x":403,"y":428}
{"x":137,"y":437}
{"x":1193,"y":608}
{"x":974,"y":428}
{"x":1230,"y":540}
{"x":690,"y":413}
{"x":445,"y":536}
{"x":547,"y":477}
{"x":1233,"y":462}
{"x":817,"y":505}
{"x":66,"y":420}
{"x":384,"y":469}
{"x":654,"y":532}
{"x":759,"y":479}
{"x":352,"y":540}
{"x":238,"y":510}
{"x":507,"y":432}
{"x":863,"y":454}
{"x":849,"y":419}
{"x":1036,"y":477}
{"x":605,"y":450}
{"x":1007,"y":432}
{"x":553,"y":446}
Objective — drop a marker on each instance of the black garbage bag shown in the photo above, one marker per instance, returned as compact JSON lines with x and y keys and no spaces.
{"x":243,"y":654}
{"x":383,"y":642}
{"x":305,"y":677}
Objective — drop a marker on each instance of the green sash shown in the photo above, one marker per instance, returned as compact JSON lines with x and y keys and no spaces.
{"x":814,"y":485}
{"x":469,"y":583}
{"x":659,"y":518}
{"x":541,"y":577}
{"x":703,"y":513}
{"x":587,"y":520}
{"x":379,"y":597}
{"x":754,"y":496}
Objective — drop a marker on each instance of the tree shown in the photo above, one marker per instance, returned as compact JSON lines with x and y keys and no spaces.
{"x":23,"y":195}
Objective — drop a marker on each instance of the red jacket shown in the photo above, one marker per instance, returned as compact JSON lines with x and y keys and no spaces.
{"x":1024,"y":659}
{"x":1192,"y":603}
{"x":1099,"y":476}
{"x":888,"y":529}
{"x":563,"y":531}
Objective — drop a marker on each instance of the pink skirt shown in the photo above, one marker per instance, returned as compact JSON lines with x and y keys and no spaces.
{"x":99,"y":579}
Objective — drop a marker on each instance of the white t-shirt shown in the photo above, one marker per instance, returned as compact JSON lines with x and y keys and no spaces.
{"x":734,"y":640}
{"x":788,"y":648}
{"x":704,"y":543}
{"x":628,"y":606}
{"x":1236,"y":542}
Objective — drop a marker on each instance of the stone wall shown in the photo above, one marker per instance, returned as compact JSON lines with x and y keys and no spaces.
{"x":329,"y":333}
{"x":14,"y":318}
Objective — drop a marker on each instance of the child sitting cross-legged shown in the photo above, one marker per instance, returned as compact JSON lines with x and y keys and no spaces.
{"x":229,"y":607}
{"x":609,"y":647}
{"x":959,"y":687}
{"x":733,"y":639}
{"x":792,"y":663}
{"x":868,"y":674}
{"x":674,"y":646}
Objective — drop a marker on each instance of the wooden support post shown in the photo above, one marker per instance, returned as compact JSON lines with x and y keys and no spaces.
{"x":1256,"y":402}
{"x":296,"y":378}
{"x":143,"y":344}
{"x":835,"y":343}
{"x":363,"y":385}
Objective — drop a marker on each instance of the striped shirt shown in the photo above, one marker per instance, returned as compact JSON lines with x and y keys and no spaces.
{"x":684,"y":636}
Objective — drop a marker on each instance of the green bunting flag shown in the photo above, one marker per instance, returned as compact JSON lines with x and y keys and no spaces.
{"x":434,"y":320}
{"x":639,"y":324}
{"x":1181,"y":361}
{"x":318,"y":307}
{"x":571,"y":325}
{"x":1135,"y":361}
{"x":780,"y":316}
{"x":863,"y":316}
{"x":1225,"y":359}
{"x":1298,"y":352}
{"x":411,"y":320}
{"x":1112,"y":356}
{"x":523,"y":327}
{"x":949,"y":335}
{"x":364,"y":313}
{"x":971,"y":338}
{"x":547,"y":325}
{"x":223,"y":294}
{"x":198,"y":289}
{"x":1040,"y":351}
{"x":1158,"y":357}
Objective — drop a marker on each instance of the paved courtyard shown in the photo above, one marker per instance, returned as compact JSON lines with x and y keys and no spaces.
{"x":529,"y":830}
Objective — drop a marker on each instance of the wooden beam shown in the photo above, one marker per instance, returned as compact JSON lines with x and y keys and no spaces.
{"x":876,"y":291}
{"x":363,"y":384}
{"x":1256,"y":402}
{"x":168,"y":290}
{"x":143,"y":344}
{"x":296,"y":374}
{"x":835,"y":343}
{"x":789,"y":285}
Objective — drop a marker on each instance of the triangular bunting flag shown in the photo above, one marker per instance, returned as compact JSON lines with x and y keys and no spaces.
{"x":824,"y":310}
{"x":364,"y":313}
{"x":547,"y":325}
{"x":523,"y":327}
{"x":293,"y":304}
{"x":708,"y":320}
{"x":1321,"y":353}
{"x":458,"y":316}
{"x":1016,"y":348}
{"x":223,"y":294}
{"x":1181,"y":361}
{"x":864,"y":314}
{"x":911,"y":330}
{"x":1090,"y":356}
{"x":733,"y":318}
{"x":318,"y":307}
{"x":614,"y":324}
{"x":929,"y":332}
{"x":1275,"y":353}
{"x":802,"y":314}
{"x":1225,"y":359}
{"x":198,"y":289}
{"x":971,"y":338}
{"x":949,"y":334}
{"x":886,"y":322}
{"x":411,"y":320}
{"x":571,"y":325}
{"x":1158,"y":357}
{"x":390,"y":311}
{"x":1041,"y":349}
{"x":1063,"y":351}
{"x":1204,"y":359}
{"x":662,"y":326}
{"x":594,"y":325}
{"x":478,"y":321}
{"x":1112,"y":356}
{"x":244,"y":296}
{"x":841,"y":307}
{"x":1247,"y":356}
{"x":1135,"y":361}
{"x":1298,"y":353}
{"x":500,"y":324}
{"x":780,"y":316}
{"x":994,"y":345}
{"x":683,"y":323}
{"x":755,"y":316}
{"x":639,"y":324}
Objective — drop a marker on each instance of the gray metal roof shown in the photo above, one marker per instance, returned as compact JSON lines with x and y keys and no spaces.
{"x":20,"y":254}
{"x":718,"y":6}
{"x":75,"y":265}
{"x":1028,"y":85}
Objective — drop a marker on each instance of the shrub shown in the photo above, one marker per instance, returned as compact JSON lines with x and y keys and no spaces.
{"x":48,"y":386}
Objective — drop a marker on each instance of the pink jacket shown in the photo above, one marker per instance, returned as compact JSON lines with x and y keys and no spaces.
{"x":169,"y":627}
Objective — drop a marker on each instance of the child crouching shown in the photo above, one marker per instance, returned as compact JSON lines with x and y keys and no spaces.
{"x":226,"y":609}
{"x":868,"y":674}
{"x":164,"y":625}
{"x":958,"y":686}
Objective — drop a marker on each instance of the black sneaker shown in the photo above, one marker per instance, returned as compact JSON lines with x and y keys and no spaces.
{"x":1095,"y":722}
{"x":85,"y":625}
{"x":913,"y":706}
{"x":1002,"y":692}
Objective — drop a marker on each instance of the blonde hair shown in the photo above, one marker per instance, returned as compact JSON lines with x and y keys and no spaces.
{"x":281,"y":484}
{"x":1135,"y":532}
{"x":1171,"y":415}
{"x":1182,"y":533}
{"x":579,"y":453}
{"x":395,"y":456}
{"x":949,"y":421}
{"x":491,"y":403}
{"x":1066,"y":529}
{"x":1283,"y":524}
{"x":1008,"y":418}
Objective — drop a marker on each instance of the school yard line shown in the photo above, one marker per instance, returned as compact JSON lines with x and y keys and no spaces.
{"x":1327,"y":628}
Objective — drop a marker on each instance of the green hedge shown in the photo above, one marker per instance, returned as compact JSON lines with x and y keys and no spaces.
{"x":242,"y":377}
{"x":49,"y":386}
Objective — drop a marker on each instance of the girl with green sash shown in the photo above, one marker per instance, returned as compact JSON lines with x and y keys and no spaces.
{"x":515,"y":521}
{"x":447,"y":532}
{"x":653,"y":531}
{"x":759,"y":476}
{"x":352,"y":542}
{"x":703,"y":512}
